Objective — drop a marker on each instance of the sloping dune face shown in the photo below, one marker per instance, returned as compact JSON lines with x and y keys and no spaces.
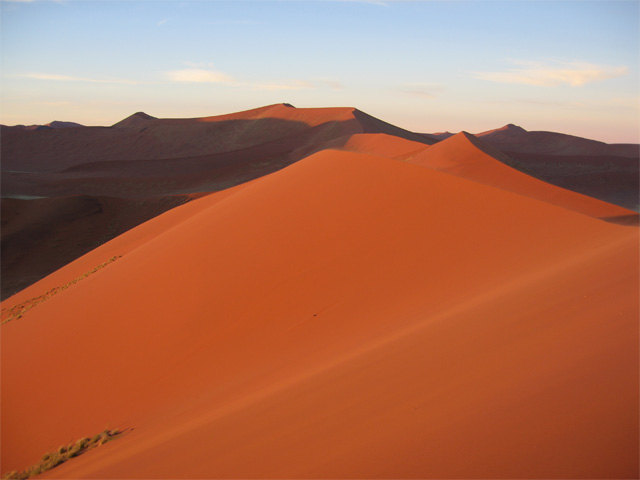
{"x":149,"y":162}
{"x":466,"y":156}
{"x":349,"y":316}
{"x":379,"y":144}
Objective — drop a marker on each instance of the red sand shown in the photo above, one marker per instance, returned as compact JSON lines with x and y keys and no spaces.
{"x":348,"y":316}
{"x":468,"y":157}
{"x":145,"y":164}
{"x":378,"y":144}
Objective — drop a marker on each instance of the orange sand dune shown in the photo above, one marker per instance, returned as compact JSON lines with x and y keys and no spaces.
{"x":349,"y":316}
{"x":466,"y":156}
{"x":146,"y":159}
{"x":379,"y":144}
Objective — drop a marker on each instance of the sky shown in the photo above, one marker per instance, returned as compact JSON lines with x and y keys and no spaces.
{"x":427,"y":66}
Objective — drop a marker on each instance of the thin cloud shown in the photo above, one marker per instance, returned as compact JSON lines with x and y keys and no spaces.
{"x":330,"y":83}
{"x":203,"y":73}
{"x":198,"y":75}
{"x":69,"y":78}
{"x":162,"y":22}
{"x":574,"y":74}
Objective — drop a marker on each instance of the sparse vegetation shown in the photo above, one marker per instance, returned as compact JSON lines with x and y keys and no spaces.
{"x":62,"y":454}
{"x":18,"y":310}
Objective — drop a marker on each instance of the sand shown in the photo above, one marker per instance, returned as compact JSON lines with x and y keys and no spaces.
{"x":348,"y":316}
{"x":468,"y":157}
{"x":97,"y":183}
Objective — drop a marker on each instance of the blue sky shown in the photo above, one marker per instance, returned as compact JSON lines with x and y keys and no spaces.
{"x":567,"y":66}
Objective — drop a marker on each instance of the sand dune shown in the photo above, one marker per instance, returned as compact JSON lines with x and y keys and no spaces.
{"x":348,"y":316}
{"x":517,"y":139}
{"x":143,"y":159}
{"x":514,"y":138}
{"x":466,"y":156}
{"x":141,"y":137}
{"x":608,"y":172}
{"x":382,"y":145}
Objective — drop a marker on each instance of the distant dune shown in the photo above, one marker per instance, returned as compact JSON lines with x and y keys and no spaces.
{"x":516,"y":139}
{"x":315,"y":293}
{"x":135,"y":120}
{"x":54,"y":124}
{"x":141,"y":137}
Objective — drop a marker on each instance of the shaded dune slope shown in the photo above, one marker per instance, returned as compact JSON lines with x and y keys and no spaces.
{"x":517,"y":139}
{"x":613,"y":179}
{"x":39,"y":236}
{"x":383,"y":319}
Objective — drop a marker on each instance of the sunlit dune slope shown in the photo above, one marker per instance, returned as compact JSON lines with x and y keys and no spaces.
{"x":143,"y":160}
{"x":379,"y":144}
{"x":466,"y":156}
{"x":349,"y":316}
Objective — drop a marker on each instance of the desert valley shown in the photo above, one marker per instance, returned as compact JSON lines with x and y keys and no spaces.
{"x":316,"y":293}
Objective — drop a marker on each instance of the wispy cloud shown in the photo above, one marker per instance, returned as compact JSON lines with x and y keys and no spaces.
{"x":162,"y":22}
{"x":294,"y":85}
{"x":204,"y":73}
{"x":423,"y":90}
{"x":198,"y":75}
{"x":328,"y":82}
{"x":553,"y":74}
{"x":68,"y":78}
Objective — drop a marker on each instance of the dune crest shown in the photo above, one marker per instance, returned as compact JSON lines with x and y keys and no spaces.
{"x":469,"y":157}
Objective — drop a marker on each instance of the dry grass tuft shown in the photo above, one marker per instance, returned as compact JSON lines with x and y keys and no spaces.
{"x":62,"y":454}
